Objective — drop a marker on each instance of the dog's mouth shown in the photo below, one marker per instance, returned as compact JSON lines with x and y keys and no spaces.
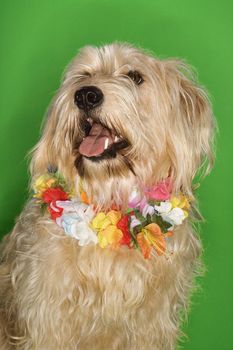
{"x":100,"y":142}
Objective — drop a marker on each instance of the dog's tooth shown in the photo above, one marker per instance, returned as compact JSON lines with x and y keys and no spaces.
{"x":116,"y":139}
{"x":106,"y":142}
{"x":90,"y":120}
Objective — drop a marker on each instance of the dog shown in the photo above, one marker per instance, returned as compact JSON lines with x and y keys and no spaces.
{"x":105,"y":252}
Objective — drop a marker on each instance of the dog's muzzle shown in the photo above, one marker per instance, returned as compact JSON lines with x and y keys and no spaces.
{"x":99,"y":140}
{"x":88,"y":97}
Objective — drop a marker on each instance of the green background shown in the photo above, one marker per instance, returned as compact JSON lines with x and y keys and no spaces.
{"x":38,"y":39}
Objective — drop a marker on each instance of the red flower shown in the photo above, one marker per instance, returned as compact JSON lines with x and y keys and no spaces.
{"x":54,"y":194}
{"x":50,"y":196}
{"x":54,"y":210}
{"x":123,"y":225}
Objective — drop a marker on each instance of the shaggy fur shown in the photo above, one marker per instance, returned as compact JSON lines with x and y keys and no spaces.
{"x":56,"y":295}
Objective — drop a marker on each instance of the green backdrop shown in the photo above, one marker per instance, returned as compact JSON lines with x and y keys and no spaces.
{"x":38,"y":39}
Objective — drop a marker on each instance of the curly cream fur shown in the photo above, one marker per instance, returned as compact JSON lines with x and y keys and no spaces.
{"x":55,"y":294}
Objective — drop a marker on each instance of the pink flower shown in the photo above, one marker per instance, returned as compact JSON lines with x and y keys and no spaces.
{"x":136,"y":200}
{"x":161,"y":191}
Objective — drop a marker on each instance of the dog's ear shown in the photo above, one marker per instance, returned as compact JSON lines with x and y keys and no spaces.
{"x":54,"y":149}
{"x":190,"y":125}
{"x":44,"y":153}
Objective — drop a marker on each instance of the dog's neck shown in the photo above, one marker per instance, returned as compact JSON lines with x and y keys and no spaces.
{"x":107,"y":191}
{"x":150,"y":212}
{"x":114,"y":191}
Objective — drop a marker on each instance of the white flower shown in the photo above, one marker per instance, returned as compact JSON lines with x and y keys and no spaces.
{"x":85,"y":234}
{"x":75,"y":221}
{"x":80,"y":208}
{"x":164,"y":207}
{"x":148,"y":209}
{"x":174,"y":217}
{"x":134,"y":222}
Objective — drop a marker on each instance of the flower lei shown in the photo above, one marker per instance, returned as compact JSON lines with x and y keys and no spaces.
{"x":145,"y":225}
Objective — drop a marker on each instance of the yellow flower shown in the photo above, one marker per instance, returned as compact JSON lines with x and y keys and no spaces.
{"x":42,"y":183}
{"x":105,"y":225}
{"x":181,"y":202}
{"x":111,"y":235}
{"x":102,"y":220}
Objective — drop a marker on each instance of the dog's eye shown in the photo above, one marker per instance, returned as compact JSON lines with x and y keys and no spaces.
{"x":86,"y":74}
{"x":135,"y":76}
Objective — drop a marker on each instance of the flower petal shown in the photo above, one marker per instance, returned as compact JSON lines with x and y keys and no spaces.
{"x":144,"y":245}
{"x":154,"y":229}
{"x":114,"y":216}
{"x":148,"y":210}
{"x":161,"y":191}
{"x":155,"y":238}
{"x":98,"y":220}
{"x":175,"y":216}
{"x":134,"y":198}
{"x":164,"y":207}
{"x":134,"y":222}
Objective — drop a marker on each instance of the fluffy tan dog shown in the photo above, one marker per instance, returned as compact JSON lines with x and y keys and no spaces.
{"x":121,"y":120}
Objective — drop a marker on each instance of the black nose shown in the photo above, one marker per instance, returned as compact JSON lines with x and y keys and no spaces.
{"x":88,"y":97}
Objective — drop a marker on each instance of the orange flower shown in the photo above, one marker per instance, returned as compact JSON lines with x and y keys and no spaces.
{"x":84,"y":197}
{"x":143,"y":244}
{"x":150,"y":238}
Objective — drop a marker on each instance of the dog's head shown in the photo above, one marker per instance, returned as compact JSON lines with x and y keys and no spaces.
{"x":121,"y":115}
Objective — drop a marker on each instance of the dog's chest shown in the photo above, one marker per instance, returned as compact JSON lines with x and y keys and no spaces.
{"x":104,"y":283}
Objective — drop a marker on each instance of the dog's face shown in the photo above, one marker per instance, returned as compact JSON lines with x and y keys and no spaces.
{"x":122,"y":115}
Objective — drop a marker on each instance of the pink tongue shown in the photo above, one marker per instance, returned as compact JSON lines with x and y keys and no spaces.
{"x":94,"y":144}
